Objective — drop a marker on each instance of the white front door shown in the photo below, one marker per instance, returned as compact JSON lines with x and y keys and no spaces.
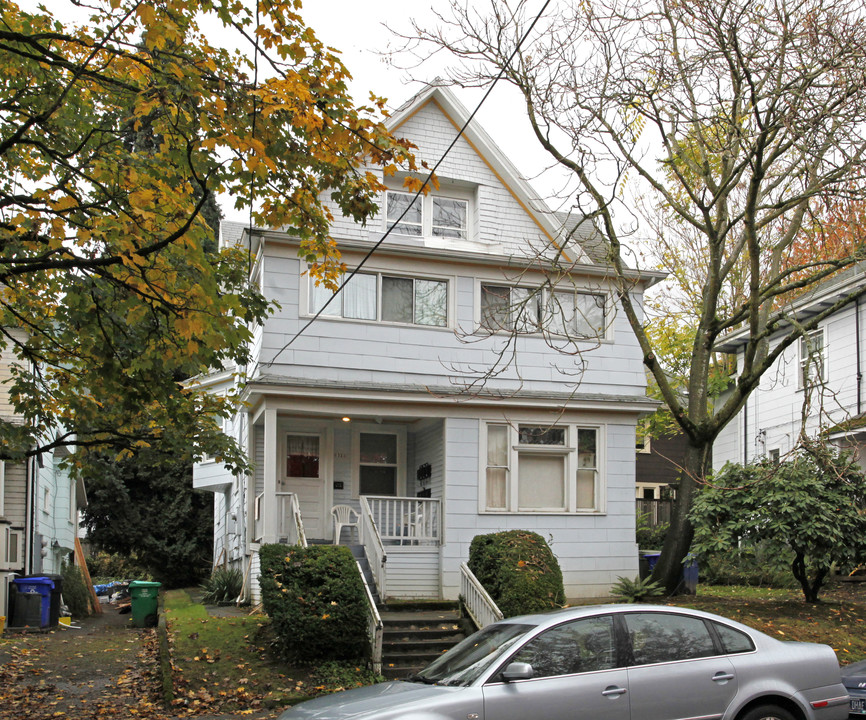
{"x":304,"y":474}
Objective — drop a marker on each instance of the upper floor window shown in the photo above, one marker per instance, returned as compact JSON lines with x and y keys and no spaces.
{"x":813,"y":358}
{"x":387,"y":298}
{"x":573,"y":314}
{"x":537,"y":468}
{"x":430,"y":215}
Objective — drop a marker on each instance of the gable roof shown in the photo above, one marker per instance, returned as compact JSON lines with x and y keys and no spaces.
{"x":495,"y":159}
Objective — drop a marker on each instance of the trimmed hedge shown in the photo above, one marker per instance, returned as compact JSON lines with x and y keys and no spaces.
{"x":519,"y":570}
{"x":316,"y":602}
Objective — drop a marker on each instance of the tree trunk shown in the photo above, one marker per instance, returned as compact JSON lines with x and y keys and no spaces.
{"x":669,"y":568}
{"x":810,"y":588}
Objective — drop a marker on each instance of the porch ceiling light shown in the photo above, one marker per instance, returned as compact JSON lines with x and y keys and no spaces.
{"x":347,"y":419}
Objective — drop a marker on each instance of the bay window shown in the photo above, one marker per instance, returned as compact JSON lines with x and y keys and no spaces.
{"x":386,"y":298}
{"x":537,"y":468}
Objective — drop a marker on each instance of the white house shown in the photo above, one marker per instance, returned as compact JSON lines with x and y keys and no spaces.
{"x":817,"y":381}
{"x":370,"y":407}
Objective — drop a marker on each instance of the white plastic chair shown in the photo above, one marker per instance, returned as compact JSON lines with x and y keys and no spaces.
{"x":345,"y":516}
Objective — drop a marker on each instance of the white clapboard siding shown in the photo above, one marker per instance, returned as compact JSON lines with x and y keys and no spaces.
{"x":413,"y":572}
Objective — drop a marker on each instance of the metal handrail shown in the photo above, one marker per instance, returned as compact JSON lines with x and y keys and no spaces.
{"x":477,"y":601}
{"x":375,"y":626}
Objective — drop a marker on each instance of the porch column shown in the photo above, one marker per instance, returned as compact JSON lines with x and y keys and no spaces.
{"x":269,"y":504}
{"x":248,"y":498}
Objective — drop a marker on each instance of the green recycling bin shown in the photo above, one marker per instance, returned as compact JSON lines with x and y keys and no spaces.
{"x":144,"y":595}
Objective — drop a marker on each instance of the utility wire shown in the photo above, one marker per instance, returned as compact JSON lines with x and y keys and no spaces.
{"x":420,"y":190}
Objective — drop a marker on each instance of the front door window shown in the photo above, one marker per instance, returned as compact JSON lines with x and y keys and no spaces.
{"x":302,"y":456}
{"x":378,"y":464}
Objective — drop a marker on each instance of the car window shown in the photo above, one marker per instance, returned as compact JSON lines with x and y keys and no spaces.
{"x":663,"y":637}
{"x":733,"y":641}
{"x":574,"y":647}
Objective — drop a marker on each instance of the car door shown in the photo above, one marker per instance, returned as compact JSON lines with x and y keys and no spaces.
{"x":575,"y":677}
{"x":676,"y":670}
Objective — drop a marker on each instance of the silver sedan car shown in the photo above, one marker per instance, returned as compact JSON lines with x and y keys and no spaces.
{"x":607,"y":662}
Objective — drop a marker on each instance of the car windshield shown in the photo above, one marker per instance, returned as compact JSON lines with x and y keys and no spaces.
{"x":466,"y":661}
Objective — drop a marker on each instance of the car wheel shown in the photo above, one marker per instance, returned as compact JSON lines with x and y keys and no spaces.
{"x":767,"y":712}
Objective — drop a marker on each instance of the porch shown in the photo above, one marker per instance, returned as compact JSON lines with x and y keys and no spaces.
{"x":400,"y":537}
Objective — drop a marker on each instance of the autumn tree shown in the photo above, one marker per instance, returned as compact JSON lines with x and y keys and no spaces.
{"x":744,"y":121}
{"x":116,"y":133}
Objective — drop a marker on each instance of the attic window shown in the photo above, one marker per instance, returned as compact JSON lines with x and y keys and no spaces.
{"x":430,"y":216}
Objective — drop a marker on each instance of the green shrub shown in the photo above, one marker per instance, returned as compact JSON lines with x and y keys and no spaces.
{"x":75,"y":593}
{"x":650,"y":538}
{"x":105,"y":567}
{"x":519,"y":570}
{"x":223,"y":585}
{"x":752,"y":565}
{"x":316,"y":602}
{"x":635,"y":591}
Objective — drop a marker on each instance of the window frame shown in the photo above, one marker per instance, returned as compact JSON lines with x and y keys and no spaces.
{"x":426,"y":226}
{"x":568,"y":451}
{"x":541,"y":299}
{"x":379,"y":276}
{"x":399,"y":431}
{"x":803,"y":355}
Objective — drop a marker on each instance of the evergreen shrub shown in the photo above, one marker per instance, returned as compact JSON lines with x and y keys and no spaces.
{"x":519,"y":571}
{"x":316,"y":602}
{"x":75,"y":593}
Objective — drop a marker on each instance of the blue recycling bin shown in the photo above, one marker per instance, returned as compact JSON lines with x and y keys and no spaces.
{"x":651,"y":560}
{"x":41,"y":586}
{"x":690,"y":574}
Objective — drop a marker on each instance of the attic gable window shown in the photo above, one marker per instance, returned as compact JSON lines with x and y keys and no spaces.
{"x":572,"y":314}
{"x":427,"y":216}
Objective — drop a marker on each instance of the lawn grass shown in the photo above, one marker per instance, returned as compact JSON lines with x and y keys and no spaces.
{"x":839,"y":620}
{"x":225,"y":663}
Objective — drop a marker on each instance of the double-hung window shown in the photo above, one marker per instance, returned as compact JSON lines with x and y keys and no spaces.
{"x":813,"y":358}
{"x":537,"y":468}
{"x":571,"y":314}
{"x":426,"y":216}
{"x":386,"y":298}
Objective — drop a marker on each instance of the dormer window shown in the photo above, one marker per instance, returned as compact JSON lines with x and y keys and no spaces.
{"x":427,"y":216}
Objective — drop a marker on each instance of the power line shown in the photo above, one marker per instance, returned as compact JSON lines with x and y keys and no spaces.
{"x":420,"y":190}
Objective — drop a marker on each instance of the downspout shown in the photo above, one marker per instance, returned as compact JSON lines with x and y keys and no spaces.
{"x":857,"y":352}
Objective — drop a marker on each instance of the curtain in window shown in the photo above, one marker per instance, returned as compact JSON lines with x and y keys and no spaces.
{"x":541,"y":482}
{"x":497,"y":466}
{"x":319,"y":295}
{"x":524,"y":309}
{"x":495,"y":300}
{"x":302,"y":456}
{"x":359,"y":297}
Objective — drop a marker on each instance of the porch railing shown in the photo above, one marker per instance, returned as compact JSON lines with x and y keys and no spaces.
{"x":375,"y":627}
{"x":373,"y":547}
{"x":406,"y":521}
{"x":290,"y":526}
{"x":476,"y":600}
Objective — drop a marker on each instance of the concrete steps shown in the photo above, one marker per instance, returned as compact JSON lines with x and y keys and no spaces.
{"x":413,"y":638}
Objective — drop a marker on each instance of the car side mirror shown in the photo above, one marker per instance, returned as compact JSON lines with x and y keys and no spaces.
{"x":517,"y":671}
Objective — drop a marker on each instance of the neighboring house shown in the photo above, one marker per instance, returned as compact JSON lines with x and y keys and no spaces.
{"x":819,"y":379}
{"x":39,"y":506}
{"x":369,"y":407}
{"x":658,"y":466}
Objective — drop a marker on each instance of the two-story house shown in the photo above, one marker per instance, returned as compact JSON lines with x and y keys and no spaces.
{"x":374,"y":405}
{"x":816,"y":385}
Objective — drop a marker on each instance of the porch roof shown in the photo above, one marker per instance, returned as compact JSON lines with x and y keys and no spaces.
{"x":281,"y":385}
